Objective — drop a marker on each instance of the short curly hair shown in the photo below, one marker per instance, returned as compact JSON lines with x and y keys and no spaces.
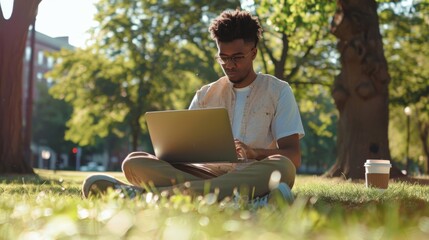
{"x":238,"y":24}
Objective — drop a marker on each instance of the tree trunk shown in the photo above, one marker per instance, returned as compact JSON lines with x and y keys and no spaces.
{"x":13,"y":36}
{"x":360,"y":91}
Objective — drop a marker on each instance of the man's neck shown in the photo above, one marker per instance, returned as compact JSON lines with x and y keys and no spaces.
{"x":247,"y":80}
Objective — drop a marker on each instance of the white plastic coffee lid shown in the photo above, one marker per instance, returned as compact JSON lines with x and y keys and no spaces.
{"x":377,"y":166}
{"x":377,"y":161}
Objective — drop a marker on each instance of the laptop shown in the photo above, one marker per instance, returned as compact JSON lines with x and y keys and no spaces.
{"x":192,"y":136}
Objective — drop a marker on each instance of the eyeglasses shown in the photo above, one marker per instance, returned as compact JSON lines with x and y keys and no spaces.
{"x":233,"y":59}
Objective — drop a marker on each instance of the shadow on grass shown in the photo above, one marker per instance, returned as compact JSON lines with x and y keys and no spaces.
{"x":405,"y":209}
{"x":33,"y":183}
{"x":413,"y":180}
{"x":25,"y":179}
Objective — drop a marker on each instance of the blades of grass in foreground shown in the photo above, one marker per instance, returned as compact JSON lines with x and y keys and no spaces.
{"x":50,"y":207}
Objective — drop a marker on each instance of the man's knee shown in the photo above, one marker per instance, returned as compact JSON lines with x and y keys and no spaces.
{"x":136,"y":160}
{"x":140,"y":168}
{"x":286,"y":168}
{"x":127,"y":162}
{"x":139,"y":154}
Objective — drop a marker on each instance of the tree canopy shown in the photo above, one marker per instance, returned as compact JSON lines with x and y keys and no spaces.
{"x":144,"y":56}
{"x":405,"y":31}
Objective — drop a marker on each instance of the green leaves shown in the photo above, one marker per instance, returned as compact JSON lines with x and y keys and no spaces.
{"x":405,"y":35}
{"x":298,"y":48}
{"x":289,"y":16}
{"x":145,"y":55}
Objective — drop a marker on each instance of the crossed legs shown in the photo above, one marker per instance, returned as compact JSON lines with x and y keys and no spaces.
{"x":142,"y":168}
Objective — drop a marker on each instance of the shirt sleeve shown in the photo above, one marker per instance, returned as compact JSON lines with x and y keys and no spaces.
{"x":194,"y":102}
{"x":287,"y":119}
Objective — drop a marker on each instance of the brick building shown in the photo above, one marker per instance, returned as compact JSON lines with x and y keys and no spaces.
{"x":41,"y":65}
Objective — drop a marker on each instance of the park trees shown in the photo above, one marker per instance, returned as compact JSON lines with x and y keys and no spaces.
{"x":298,"y":48}
{"x":360,"y":91}
{"x":144,"y":56}
{"x":406,"y":35}
{"x":292,"y":31}
{"x":49,"y":120}
{"x":13,"y":35}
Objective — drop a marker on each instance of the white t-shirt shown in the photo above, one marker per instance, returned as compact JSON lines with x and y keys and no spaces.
{"x":240,"y":101}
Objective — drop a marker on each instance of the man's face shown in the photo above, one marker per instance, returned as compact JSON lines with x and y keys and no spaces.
{"x":236,"y":59}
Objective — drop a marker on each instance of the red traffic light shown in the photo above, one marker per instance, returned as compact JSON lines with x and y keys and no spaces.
{"x":74,"y":150}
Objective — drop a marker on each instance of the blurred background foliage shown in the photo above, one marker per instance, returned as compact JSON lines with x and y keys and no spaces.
{"x":153,"y":55}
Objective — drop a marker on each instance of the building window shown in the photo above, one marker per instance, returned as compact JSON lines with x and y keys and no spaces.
{"x":50,"y":82}
{"x":39,"y":76}
{"x":27,"y":53}
{"x":40,"y":58}
{"x":50,"y":62}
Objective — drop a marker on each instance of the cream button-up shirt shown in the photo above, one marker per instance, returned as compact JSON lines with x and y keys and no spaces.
{"x":270,"y":111}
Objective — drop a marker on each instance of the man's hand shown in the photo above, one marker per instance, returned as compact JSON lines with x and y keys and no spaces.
{"x":244,"y":151}
{"x":286,"y":146}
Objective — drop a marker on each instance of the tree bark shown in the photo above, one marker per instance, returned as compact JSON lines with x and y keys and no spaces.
{"x":360,"y":91}
{"x":13,"y":36}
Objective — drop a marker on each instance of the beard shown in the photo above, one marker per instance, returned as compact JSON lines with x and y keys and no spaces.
{"x":236,"y":80}
{"x":237,"y":76}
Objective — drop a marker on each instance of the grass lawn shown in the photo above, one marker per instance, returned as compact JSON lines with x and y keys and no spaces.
{"x":50,"y":207}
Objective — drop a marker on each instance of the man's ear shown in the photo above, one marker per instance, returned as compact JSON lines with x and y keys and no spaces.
{"x":255,"y":53}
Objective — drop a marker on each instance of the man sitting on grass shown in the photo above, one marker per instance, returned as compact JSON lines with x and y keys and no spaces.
{"x":265,"y":120}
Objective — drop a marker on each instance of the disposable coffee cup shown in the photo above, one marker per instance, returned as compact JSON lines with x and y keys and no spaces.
{"x":377,"y":173}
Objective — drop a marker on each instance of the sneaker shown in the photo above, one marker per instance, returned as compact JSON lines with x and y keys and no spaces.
{"x":283,"y":192}
{"x":99,"y":185}
{"x":259,"y":201}
{"x":280,"y":194}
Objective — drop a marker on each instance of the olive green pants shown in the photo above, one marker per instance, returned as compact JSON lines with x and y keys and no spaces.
{"x":257,"y":177}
